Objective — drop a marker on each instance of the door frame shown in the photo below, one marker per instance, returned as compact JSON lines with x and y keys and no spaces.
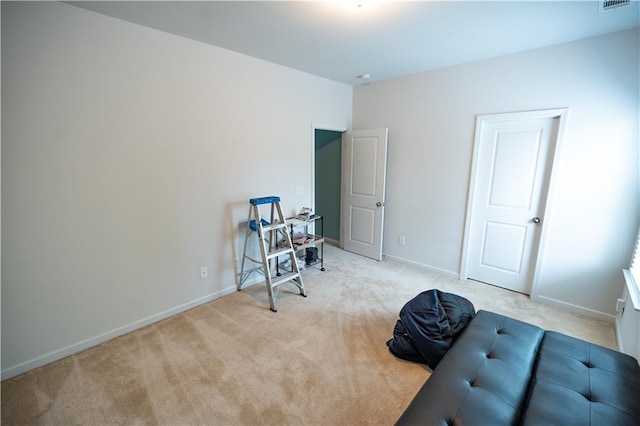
{"x":331,"y":128}
{"x":538,"y":252}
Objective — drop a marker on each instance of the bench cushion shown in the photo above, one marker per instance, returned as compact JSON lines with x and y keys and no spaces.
{"x":483,"y":379}
{"x":580,"y":383}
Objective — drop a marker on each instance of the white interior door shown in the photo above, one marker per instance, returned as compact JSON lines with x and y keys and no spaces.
{"x":364,"y":165}
{"x":512,"y":168}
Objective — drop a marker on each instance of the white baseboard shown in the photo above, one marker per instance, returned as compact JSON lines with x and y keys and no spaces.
{"x":424,"y":266}
{"x":542,"y":299}
{"x":575,"y":308}
{"x":332,"y":242}
{"x":96,"y":340}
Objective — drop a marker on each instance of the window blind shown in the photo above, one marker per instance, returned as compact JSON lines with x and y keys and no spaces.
{"x":635,"y":262}
{"x":632,"y":276}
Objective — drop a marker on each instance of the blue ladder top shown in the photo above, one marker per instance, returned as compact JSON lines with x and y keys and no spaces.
{"x":264,"y":200}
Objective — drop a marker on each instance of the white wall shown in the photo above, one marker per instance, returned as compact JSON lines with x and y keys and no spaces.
{"x":595,"y":206}
{"x":128,"y":158}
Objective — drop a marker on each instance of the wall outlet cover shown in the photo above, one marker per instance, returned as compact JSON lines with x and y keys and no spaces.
{"x":204,"y":272}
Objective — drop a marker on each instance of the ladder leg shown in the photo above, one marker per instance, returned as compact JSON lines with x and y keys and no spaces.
{"x":270,"y":288}
{"x":292,"y":255}
{"x":266,"y":244}
{"x":242,"y":276}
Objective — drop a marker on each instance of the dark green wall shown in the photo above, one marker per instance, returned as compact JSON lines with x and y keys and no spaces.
{"x":328,"y":169}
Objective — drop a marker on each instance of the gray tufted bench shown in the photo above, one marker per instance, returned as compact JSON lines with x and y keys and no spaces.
{"x":502,"y":371}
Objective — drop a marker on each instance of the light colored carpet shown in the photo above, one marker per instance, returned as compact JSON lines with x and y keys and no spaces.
{"x":320,"y":360}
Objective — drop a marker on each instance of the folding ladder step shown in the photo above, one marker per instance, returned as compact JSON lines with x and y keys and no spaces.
{"x":286,"y":277}
{"x":274,"y":226}
{"x":266,"y":226}
{"x":279,"y":252}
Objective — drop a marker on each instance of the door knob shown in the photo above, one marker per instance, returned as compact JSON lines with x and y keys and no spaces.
{"x":535,"y":220}
{"x":379,"y":204}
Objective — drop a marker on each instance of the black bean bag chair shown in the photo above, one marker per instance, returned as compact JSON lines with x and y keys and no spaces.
{"x":428,"y":326}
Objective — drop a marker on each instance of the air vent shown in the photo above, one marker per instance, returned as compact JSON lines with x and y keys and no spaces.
{"x":607,"y":5}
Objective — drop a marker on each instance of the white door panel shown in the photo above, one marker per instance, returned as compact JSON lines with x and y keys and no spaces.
{"x":364,"y":163}
{"x":511,"y":239}
{"x":362,"y":225}
{"x":363,"y":169}
{"x":512,"y":169}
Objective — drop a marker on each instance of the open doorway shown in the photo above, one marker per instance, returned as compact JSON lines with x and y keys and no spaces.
{"x":328,"y":164}
{"x":353,"y":210}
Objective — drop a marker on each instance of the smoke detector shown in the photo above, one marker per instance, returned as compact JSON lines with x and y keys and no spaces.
{"x":365,"y":79}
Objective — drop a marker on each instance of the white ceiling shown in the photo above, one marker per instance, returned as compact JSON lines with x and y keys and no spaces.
{"x":339,"y":40}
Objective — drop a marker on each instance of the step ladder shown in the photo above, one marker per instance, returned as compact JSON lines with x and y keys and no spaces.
{"x":275,"y":241}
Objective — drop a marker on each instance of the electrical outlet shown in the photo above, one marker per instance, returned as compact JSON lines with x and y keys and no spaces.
{"x":204,"y":272}
{"x":401,"y":240}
